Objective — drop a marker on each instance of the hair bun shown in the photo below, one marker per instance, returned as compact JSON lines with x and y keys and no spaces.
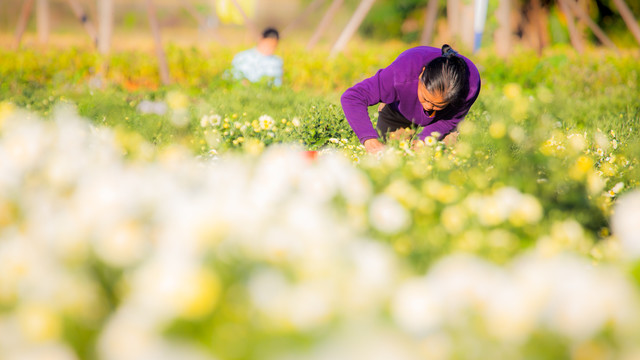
{"x":447,"y":51}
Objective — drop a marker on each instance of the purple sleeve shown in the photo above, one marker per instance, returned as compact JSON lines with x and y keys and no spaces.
{"x":356,"y":100}
{"x":446,"y":126}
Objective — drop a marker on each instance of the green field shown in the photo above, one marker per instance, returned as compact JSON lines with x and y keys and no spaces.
{"x":185,"y":221}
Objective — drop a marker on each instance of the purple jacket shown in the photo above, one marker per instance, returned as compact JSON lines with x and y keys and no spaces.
{"x":397,"y":86}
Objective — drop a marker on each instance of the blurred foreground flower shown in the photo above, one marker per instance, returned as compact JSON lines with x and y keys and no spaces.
{"x":168,"y":259}
{"x":625,"y":223}
{"x":152,"y":107}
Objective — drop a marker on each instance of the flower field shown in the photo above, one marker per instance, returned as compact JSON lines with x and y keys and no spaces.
{"x":212,"y":220}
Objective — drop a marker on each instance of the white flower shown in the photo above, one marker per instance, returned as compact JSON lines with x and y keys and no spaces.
{"x":430,"y":140}
{"x":615,"y":189}
{"x":295,"y":121}
{"x":152,"y":107}
{"x":212,"y":120}
{"x":123,"y":245}
{"x":577,"y":142}
{"x":373,"y":275}
{"x":625,"y":223}
{"x":527,"y":211}
{"x":510,"y":313}
{"x":266,"y":122}
{"x":387,"y":215}
{"x":416,"y":308}
{"x":309,"y":305}
{"x":45,"y":351}
{"x":127,"y":335}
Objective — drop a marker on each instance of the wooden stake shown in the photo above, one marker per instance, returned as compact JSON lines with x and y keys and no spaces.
{"x":324,"y":23}
{"x":202,"y":20}
{"x":628,"y":18}
{"x":597,"y":31}
{"x":465,"y":25}
{"x":430,"y":16}
{"x":453,"y":17}
{"x":42,"y":20}
{"x":576,"y":40}
{"x":84,"y":19}
{"x":155,"y":29}
{"x":352,"y":26}
{"x":105,"y":25}
{"x":194,"y":13}
{"x":503,"y":34}
{"x":252,"y":27}
{"x":313,"y":6}
{"x":27,"y":6}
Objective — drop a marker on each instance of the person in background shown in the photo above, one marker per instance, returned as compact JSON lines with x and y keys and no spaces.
{"x":424,"y":87}
{"x":260,"y":62}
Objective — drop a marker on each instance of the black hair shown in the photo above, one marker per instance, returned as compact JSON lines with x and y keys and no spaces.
{"x":270,"y":33}
{"x":447,"y":75}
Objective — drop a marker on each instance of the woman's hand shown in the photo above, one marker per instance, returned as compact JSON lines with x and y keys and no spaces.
{"x":451,"y":139}
{"x":373,"y":146}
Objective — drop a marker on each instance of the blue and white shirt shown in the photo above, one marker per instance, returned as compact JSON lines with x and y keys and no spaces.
{"x":253,"y":65}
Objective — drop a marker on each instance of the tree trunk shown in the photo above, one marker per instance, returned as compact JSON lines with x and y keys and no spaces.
{"x":466,"y":24}
{"x":503,"y":34}
{"x":155,"y":29}
{"x":430,"y":17}
{"x":324,"y":23}
{"x":27,"y":6}
{"x":42,"y":19}
{"x":453,"y":17}
{"x":352,"y":26}
{"x":628,"y":18}
{"x":105,"y":25}
{"x":537,"y":26}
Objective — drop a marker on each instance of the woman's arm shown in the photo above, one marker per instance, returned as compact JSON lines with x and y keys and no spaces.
{"x":356,"y":100}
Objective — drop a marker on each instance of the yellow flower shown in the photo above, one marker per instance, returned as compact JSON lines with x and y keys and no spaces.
{"x":6,"y":109}
{"x":454,"y":219}
{"x":199,"y":294}
{"x":581,"y":167}
{"x":608,"y":169}
{"x":39,"y":322}
{"x":177,"y":100}
{"x":497,"y":130}
{"x":253,"y":146}
{"x":512,"y":91}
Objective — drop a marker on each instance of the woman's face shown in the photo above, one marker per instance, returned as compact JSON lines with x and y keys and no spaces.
{"x":430,"y":101}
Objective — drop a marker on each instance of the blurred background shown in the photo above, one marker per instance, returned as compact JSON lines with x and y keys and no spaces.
{"x":468,"y":24}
